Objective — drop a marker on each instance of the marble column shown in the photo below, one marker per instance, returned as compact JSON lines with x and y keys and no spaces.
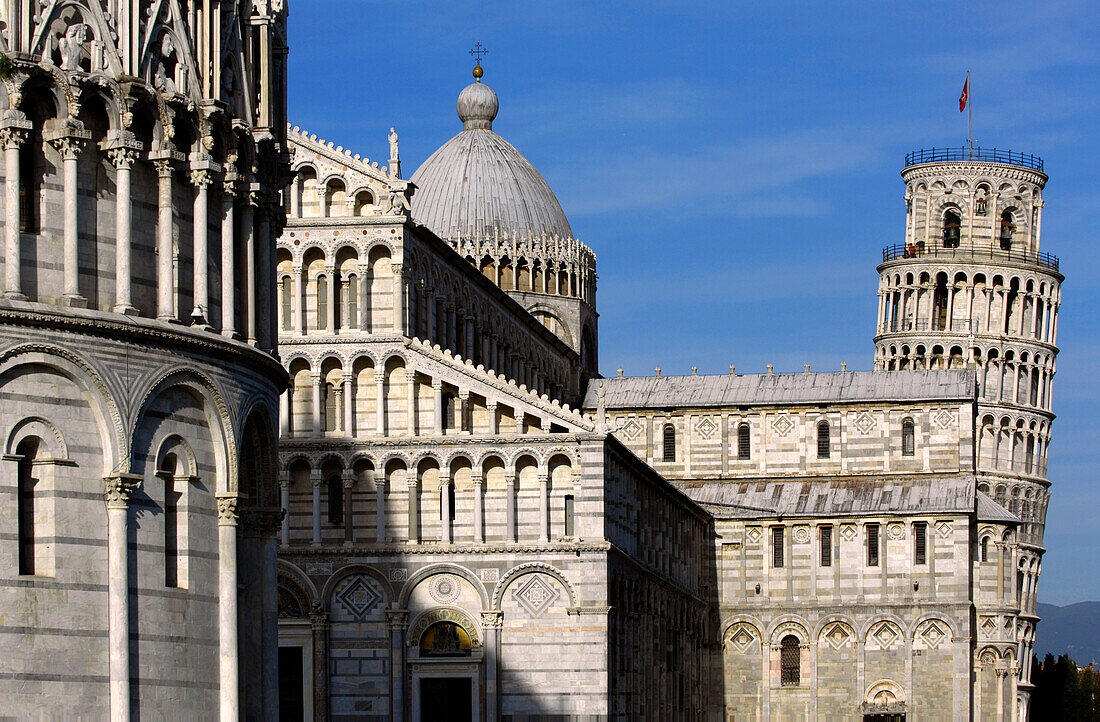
{"x":318,"y":619}
{"x":437,"y":411}
{"x":511,"y":535}
{"x":492,"y":409}
{"x":414,"y":507}
{"x":284,"y":501}
{"x":345,"y":287}
{"x":201,"y":179}
{"x":166,"y":282}
{"x":349,"y":407}
{"x":284,"y":412}
{"x":445,"y":508}
{"x":328,"y":323}
{"x":69,"y":147}
{"x":229,"y":685}
{"x":380,"y":505}
{"x":479,"y":509}
{"x":264,"y":290}
{"x":365,"y":279}
{"x":117,"y":492}
{"x":316,"y":379}
{"x":380,"y":402}
{"x":123,"y":159}
{"x":316,"y":480}
{"x":397,"y":621}
{"x":410,"y":378}
{"x":229,"y":256}
{"x":349,"y":533}
{"x":12,"y":136}
{"x":248,"y":278}
{"x":462,"y":413}
{"x":544,"y":508}
{"x":491,"y":622}
{"x":296,"y":273}
{"x":398,"y":297}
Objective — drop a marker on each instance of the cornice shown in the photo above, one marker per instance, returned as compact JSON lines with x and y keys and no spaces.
{"x":340,"y":550}
{"x":961,"y":261}
{"x":973,"y":169}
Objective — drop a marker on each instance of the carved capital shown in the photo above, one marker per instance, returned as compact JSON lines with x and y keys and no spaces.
{"x":397,"y":619}
{"x":122,"y":158}
{"x":69,"y":146}
{"x":164,"y":167}
{"x":118,"y":489}
{"x":398,"y":269}
{"x":12,"y":138}
{"x":262,"y":521}
{"x":492,"y":619}
{"x":348,"y":482}
{"x":201,"y":179}
{"x":229,"y":509}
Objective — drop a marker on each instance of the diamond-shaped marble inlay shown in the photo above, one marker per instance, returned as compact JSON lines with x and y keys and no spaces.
{"x":742,"y":638}
{"x":885,"y":635}
{"x":933,"y":635}
{"x":631,"y":429}
{"x":782,"y":424}
{"x":837,"y":636}
{"x":536,"y":594}
{"x":358,"y":597}
{"x":848,"y":532}
{"x":753,"y":533}
{"x":706,"y":427}
{"x":944,"y":418}
{"x":865,"y":423}
{"x":944,"y":529}
{"x":988,"y":625}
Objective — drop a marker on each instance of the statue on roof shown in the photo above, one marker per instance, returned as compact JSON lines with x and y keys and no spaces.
{"x":393,"y":145}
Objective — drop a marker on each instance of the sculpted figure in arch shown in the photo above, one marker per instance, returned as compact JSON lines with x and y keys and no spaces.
{"x":72,"y":46}
{"x":161,"y":81}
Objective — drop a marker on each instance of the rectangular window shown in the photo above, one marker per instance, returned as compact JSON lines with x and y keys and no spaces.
{"x":777,"y":547}
{"x":743,"y":446}
{"x":171,"y":534}
{"x":569,"y":515}
{"x":826,"y":546}
{"x":872,"y":545}
{"x":920,"y":542}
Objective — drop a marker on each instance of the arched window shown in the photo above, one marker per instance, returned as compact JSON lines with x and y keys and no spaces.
{"x":330,"y":408}
{"x":669,"y":443}
{"x":353,"y":301}
{"x":743,"y":448}
{"x":790,"y":661}
{"x":823,"y":440}
{"x":171,"y":520}
{"x":985,"y":549}
{"x":908,"y":438}
{"x":1008,"y":228}
{"x":952,"y":226}
{"x":322,"y":303}
{"x":287,"y":294}
{"x":26,"y":451}
{"x":335,"y":501}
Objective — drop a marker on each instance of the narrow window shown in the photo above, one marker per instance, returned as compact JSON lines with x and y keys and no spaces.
{"x":920,"y":542}
{"x":789,"y":661}
{"x":322,"y":303}
{"x":1008,"y":228}
{"x":27,"y":451}
{"x":286,"y":297}
{"x":28,"y":193}
{"x":952,"y":226}
{"x":777,"y":546}
{"x":330,"y":407}
{"x":335,"y":501}
{"x":353,"y":301}
{"x":669,"y":443}
{"x":171,"y":529}
{"x":823,"y":440}
{"x":569,"y":515}
{"x":743,"y":449}
{"x":872,"y":545}
{"x":826,"y":546}
{"x":985,"y":549}
{"x":448,"y":412}
{"x":908,"y":438}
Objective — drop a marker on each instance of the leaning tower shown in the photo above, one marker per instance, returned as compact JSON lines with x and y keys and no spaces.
{"x":971,"y":287}
{"x":145,"y":151}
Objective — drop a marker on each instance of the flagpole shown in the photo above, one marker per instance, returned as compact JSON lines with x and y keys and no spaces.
{"x":969,"y":116}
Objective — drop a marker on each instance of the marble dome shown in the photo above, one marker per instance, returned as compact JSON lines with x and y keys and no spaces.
{"x":478,"y":185}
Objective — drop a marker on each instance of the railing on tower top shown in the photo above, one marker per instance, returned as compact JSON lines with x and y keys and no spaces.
{"x":989,"y":155}
{"x":993,"y":252}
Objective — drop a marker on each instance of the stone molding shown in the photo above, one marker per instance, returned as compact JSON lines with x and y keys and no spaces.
{"x":118,"y":488}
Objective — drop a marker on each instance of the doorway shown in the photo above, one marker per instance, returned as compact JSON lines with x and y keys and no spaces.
{"x":291,"y":702}
{"x":445,"y":699}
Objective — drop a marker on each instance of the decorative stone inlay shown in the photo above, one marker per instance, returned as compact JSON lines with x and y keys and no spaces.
{"x":782,"y":424}
{"x":848,"y":532}
{"x":944,"y":419}
{"x":944,"y":529}
{"x":490,"y":575}
{"x":753,"y":533}
{"x":932,"y":635}
{"x":801,"y":534}
{"x":885,"y":634}
{"x":536,"y":594}
{"x":742,"y":637}
{"x":398,"y":575}
{"x":318,"y":570}
{"x":837,"y":635}
{"x":988,"y":626}
{"x":631,"y":429}
{"x":444,"y":588}
{"x":895,"y":531}
{"x":706,"y":427}
{"x":358,"y":597}
{"x":865,"y":423}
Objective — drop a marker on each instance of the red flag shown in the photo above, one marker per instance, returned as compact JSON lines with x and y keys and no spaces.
{"x":965,"y":97}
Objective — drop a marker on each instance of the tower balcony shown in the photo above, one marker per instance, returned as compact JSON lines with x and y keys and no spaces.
{"x":995,"y":252}
{"x":979,"y":154}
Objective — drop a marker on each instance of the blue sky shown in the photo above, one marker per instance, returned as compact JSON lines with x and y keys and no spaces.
{"x":735,"y":165}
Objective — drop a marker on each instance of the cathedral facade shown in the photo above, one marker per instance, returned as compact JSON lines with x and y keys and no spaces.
{"x":462,"y":542}
{"x":145,"y":153}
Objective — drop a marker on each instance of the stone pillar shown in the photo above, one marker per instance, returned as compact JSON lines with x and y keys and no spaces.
{"x":492,"y":409}
{"x":462,"y":413}
{"x":445,"y":508}
{"x":479,"y":508}
{"x":248,"y":278}
{"x":437,"y":411}
{"x":284,"y":412}
{"x":264,"y":287}
{"x":380,"y":403}
{"x":229,"y":258}
{"x":398,"y":298}
{"x":380,"y":503}
{"x":12,"y":135}
{"x":284,"y":501}
{"x":511,"y":534}
{"x":297,"y":272}
{"x":166,"y":282}
{"x":229,"y":685}
{"x":349,"y":529}
{"x":410,"y":379}
{"x":345,"y":286}
{"x":316,"y":379}
{"x":365,"y":280}
{"x":491,"y":622}
{"x":123,"y":159}
{"x":69,"y":145}
{"x":414,"y":507}
{"x":117,"y":492}
{"x":337,"y":407}
{"x":318,"y":619}
{"x":329,"y":322}
{"x":200,"y":178}
{"x":544,"y":507}
{"x":397,"y":621}
{"x":316,"y":479}
{"x":349,"y":406}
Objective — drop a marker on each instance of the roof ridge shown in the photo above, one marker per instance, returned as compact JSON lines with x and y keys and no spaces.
{"x":343,"y":155}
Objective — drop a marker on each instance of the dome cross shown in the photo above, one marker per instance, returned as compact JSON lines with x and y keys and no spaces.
{"x":478,"y":52}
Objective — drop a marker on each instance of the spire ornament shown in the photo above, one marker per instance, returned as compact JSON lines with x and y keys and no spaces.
{"x":478,"y":52}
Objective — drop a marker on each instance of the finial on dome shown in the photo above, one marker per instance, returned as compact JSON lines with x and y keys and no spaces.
{"x":478,"y":52}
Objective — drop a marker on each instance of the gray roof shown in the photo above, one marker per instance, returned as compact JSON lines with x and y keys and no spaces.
{"x":847,"y":496}
{"x":477,"y":185}
{"x":989,"y":510}
{"x":662,"y":392}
